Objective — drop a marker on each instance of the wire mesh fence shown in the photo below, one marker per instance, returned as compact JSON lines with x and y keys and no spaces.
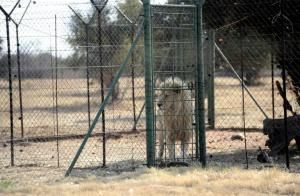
{"x":249,"y":37}
{"x":68,"y":52}
{"x":174,"y":60}
{"x":67,"y":63}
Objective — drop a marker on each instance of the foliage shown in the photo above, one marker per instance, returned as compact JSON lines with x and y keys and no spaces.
{"x":241,"y":26}
{"x":107,"y":43}
{"x":244,"y":47}
{"x":33,"y":65}
{"x":110,"y":37}
{"x":132,"y":9}
{"x":227,"y":17}
{"x":115,"y":34}
{"x":259,"y":19}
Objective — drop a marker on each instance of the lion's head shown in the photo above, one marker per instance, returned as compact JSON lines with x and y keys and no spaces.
{"x":169,"y":93}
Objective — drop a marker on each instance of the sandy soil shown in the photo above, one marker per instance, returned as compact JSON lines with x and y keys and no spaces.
{"x":42,"y":159}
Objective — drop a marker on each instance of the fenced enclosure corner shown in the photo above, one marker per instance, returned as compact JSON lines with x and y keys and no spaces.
{"x":157,"y":83}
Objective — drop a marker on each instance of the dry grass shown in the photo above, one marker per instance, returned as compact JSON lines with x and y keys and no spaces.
{"x":183,"y":181}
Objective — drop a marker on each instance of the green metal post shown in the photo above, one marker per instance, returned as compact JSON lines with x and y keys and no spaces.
{"x":200,"y":115}
{"x":211,"y":78}
{"x":105,"y":102}
{"x":148,"y":84}
{"x":205,"y":71}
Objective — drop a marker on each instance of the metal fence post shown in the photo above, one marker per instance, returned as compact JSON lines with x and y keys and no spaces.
{"x":102,"y":86}
{"x":19,"y":81}
{"x":7,"y":18}
{"x":200,"y":115}
{"x":87,"y":62}
{"x":56,"y":90}
{"x":283,"y":46}
{"x":148,"y":83}
{"x":21,"y":118}
{"x":133,"y":77}
{"x":211,"y":78}
{"x":99,"y":20}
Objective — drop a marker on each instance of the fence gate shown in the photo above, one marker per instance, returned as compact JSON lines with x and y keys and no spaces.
{"x":174,"y":59}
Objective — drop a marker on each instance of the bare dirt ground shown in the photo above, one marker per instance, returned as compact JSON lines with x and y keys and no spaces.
{"x":44,"y":161}
{"x":175,"y":181}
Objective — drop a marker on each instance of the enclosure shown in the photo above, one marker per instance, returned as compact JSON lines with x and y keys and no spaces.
{"x":61,"y":61}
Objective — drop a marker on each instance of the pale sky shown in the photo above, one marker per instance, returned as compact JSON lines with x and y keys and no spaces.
{"x":37,"y":28}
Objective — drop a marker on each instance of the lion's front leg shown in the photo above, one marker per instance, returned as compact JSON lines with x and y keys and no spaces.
{"x":171,"y":148}
{"x":161,"y":144}
{"x":184,"y":149}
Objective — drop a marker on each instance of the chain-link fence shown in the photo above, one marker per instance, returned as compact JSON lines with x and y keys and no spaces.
{"x":65,"y":54}
{"x":69,"y":55}
{"x":174,"y":60}
{"x":249,"y":38}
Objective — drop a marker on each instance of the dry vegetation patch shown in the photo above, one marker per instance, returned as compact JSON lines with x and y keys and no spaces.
{"x":183,"y":181}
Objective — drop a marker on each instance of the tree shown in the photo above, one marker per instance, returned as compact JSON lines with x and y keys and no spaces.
{"x":33,"y":65}
{"x":267,"y":24}
{"x":116,"y":35}
{"x":132,"y":10}
{"x":241,"y":26}
{"x":101,"y":58}
{"x":262,"y":26}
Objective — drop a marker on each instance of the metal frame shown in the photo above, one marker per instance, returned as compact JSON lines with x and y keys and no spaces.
{"x":149,"y":82}
{"x":9,"y":63}
{"x":200,"y":96}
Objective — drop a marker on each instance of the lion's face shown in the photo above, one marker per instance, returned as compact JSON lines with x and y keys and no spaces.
{"x":168,"y":94}
{"x":166,"y":99}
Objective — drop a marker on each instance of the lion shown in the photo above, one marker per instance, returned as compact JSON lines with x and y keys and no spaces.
{"x":174,"y":116}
